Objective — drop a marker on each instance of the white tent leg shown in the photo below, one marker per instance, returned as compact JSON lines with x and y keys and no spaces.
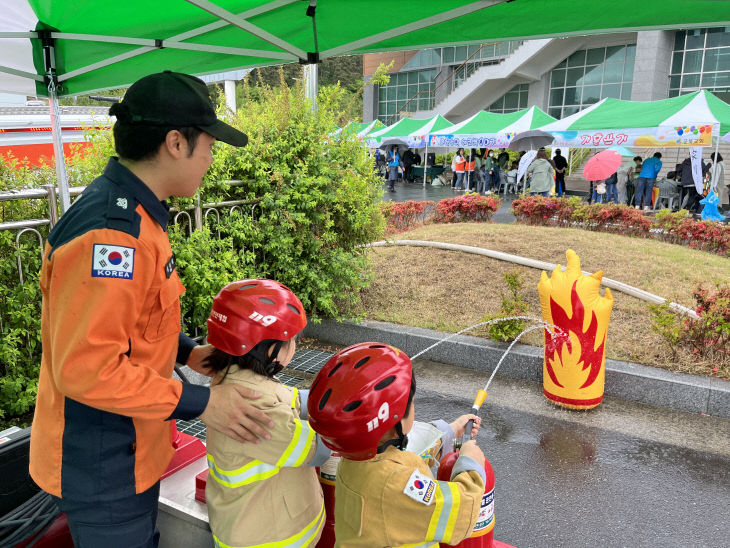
{"x":425,"y":162}
{"x":311,"y":83}
{"x":713,"y":182}
{"x":229,"y":89}
{"x":61,"y":174}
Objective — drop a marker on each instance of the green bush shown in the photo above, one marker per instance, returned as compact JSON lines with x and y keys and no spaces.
{"x":513,"y":304}
{"x":311,"y":201}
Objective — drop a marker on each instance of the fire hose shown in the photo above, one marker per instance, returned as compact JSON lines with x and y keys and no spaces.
{"x":29,"y":520}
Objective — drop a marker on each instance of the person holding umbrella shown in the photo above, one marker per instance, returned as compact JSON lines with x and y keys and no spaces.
{"x":394,"y":162}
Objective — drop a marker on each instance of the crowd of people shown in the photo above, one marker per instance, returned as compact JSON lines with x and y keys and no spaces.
{"x":634,"y":183}
{"x":488,"y":171}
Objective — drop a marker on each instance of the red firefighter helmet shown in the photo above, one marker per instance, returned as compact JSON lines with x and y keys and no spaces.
{"x":250,"y":311}
{"x":360,"y":394}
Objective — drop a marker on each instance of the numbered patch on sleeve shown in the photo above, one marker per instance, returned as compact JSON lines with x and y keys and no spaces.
{"x":112,"y":261}
{"x":420,"y":488}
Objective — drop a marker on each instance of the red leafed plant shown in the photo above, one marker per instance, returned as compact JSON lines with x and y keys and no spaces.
{"x":469,"y":207}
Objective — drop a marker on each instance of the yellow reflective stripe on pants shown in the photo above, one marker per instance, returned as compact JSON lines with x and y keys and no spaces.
{"x":294,"y":396}
{"x":427,"y":545}
{"x":298,"y":449}
{"x":443,"y":519}
{"x":302,"y":539}
{"x":252,"y":472}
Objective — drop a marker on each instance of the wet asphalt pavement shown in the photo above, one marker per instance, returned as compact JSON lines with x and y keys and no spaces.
{"x":623,"y":474}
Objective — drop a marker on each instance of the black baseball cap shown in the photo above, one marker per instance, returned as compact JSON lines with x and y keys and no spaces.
{"x":177,"y":100}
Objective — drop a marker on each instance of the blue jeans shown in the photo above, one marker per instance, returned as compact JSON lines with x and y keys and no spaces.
{"x":644,"y":187}
{"x":459,"y":180}
{"x":611,"y":193}
{"x":598,"y":198}
{"x":130,"y":522}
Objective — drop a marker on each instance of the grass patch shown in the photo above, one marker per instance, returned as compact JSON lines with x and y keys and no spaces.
{"x":447,"y":290}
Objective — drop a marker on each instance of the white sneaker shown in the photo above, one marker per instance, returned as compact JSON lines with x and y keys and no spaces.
{"x":488,"y":192}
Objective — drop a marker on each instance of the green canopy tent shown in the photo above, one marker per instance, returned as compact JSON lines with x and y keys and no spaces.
{"x":489,"y":129}
{"x":363,"y":129}
{"x":65,"y":47}
{"x":690,"y":120}
{"x":400,"y":130}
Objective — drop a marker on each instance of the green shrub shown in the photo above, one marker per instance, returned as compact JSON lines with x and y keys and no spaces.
{"x":513,"y":304}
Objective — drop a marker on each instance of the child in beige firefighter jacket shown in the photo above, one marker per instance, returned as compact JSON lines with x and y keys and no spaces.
{"x":264,"y":493}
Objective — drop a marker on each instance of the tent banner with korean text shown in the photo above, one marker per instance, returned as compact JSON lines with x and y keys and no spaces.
{"x":699,"y":135}
{"x":690,"y":120}
{"x":489,"y":129}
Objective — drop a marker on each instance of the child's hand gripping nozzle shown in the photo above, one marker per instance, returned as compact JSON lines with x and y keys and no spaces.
{"x":478,"y":401}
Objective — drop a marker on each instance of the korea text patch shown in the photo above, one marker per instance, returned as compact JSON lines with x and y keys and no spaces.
{"x":112,"y":261}
{"x":420,"y":488}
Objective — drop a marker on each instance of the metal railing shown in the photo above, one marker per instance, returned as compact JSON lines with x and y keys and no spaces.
{"x":576,"y":156}
{"x":192,"y":217}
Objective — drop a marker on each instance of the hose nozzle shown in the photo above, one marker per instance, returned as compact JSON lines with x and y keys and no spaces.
{"x":478,"y":401}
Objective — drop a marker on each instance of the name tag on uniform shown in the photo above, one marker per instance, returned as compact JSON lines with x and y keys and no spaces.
{"x":112,"y":261}
{"x":420,"y":488}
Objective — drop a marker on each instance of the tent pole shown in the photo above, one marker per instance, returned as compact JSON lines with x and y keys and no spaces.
{"x":713,"y":182}
{"x":61,"y":174}
{"x":311,"y":83}
{"x":425,"y":162}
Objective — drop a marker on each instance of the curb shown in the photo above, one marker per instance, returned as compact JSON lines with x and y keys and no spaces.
{"x":625,"y":380}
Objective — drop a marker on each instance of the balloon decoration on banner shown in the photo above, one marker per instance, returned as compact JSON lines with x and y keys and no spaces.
{"x":574,"y":365}
{"x":710,"y":211}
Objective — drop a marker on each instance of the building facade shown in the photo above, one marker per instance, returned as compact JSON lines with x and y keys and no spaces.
{"x":559,"y":75}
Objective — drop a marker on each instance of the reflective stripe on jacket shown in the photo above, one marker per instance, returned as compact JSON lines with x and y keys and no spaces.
{"x":267,"y":494}
{"x":373,"y":507}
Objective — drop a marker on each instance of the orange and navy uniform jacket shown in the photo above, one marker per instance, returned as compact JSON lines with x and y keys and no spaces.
{"x":111,"y":335}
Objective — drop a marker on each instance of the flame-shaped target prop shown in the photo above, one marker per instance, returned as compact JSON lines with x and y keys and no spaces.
{"x":574,"y":366}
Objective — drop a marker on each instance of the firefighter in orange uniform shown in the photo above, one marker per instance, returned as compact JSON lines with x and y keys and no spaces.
{"x":111,"y":324}
{"x":361,"y":403}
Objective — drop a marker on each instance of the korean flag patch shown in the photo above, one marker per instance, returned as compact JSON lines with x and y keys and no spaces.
{"x":112,"y":261}
{"x":420,"y":488}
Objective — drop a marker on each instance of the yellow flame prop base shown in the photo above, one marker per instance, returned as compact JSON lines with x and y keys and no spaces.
{"x":574,"y":365}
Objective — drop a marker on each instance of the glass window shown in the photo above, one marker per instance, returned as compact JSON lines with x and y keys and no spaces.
{"x":631,"y":53}
{"x":616,"y":54}
{"x":390,"y":108}
{"x":577,"y":59}
{"x":424,"y":104}
{"x":718,"y":79}
{"x":591,"y":94}
{"x":574,"y":76}
{"x":693,"y":61}
{"x":402,"y":92}
{"x":471,"y":50}
{"x":498,"y":104}
{"x":567,"y":111}
{"x":628,"y":71}
{"x":448,"y":55}
{"x":382,"y":93}
{"x":717,"y":59}
{"x":612,"y":73}
{"x":609,"y":90}
{"x":460,"y":54}
{"x":718,"y":37}
{"x":626,"y":92}
{"x":413,"y":77}
{"x":572,"y":96}
{"x":696,"y":39}
{"x":673,"y":93}
{"x":556,"y":96}
{"x":555,"y":112}
{"x":690,"y":80}
{"x":679,"y":39}
{"x":593,"y":74}
{"x":391,"y":92}
{"x":511,"y":100}
{"x":674,"y":81}
{"x":563,"y":64}
{"x":595,"y":56}
{"x":677,"y":59}
{"x":412,"y":90}
{"x":557,"y":79}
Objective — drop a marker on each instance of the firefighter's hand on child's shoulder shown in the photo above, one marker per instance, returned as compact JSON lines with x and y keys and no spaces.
{"x":230,"y":413}
{"x":198,"y":357}
{"x":471,"y":449}
{"x":459,"y":425}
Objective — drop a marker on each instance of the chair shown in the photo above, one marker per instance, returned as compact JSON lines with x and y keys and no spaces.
{"x":668,"y":192}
